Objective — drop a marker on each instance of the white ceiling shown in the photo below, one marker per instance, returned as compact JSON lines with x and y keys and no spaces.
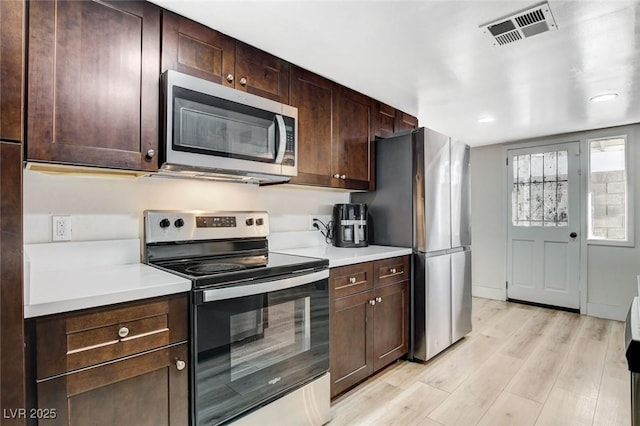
{"x":430,"y":59}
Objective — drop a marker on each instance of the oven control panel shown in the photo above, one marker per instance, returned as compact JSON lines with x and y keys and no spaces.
{"x":172,"y":226}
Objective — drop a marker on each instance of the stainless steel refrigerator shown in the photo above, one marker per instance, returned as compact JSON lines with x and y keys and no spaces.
{"x":422,"y":201}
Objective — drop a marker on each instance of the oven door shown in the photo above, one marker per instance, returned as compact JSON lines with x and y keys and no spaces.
{"x":255,"y":342}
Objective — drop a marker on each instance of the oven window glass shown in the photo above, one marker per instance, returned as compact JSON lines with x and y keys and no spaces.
{"x":267,"y":336}
{"x":250,"y":350}
{"x":207,"y":124}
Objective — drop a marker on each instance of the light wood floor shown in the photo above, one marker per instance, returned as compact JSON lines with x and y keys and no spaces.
{"x":521,"y":365}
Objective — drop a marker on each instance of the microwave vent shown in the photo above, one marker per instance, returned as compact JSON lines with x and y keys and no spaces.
{"x":521,"y":25}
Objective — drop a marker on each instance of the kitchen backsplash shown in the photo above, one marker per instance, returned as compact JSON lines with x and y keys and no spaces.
{"x":110,"y":207}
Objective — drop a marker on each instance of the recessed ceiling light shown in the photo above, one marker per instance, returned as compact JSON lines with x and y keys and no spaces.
{"x":486,"y":120}
{"x":604,"y":97}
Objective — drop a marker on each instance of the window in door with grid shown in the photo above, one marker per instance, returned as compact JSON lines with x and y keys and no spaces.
{"x":540,"y":189}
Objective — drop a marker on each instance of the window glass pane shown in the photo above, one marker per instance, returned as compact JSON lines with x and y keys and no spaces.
{"x":540,"y":189}
{"x":607,"y":189}
{"x":550,"y":167}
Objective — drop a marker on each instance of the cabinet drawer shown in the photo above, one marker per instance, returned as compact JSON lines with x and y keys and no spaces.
{"x":351,"y":279}
{"x":393,"y":270}
{"x":72,"y":341}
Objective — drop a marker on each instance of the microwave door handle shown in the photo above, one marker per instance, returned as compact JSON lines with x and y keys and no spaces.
{"x":283,"y":139}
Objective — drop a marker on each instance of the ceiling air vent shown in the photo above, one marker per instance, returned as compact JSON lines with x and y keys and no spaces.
{"x":524,"y":24}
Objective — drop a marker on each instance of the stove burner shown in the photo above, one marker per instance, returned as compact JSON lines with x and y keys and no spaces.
{"x":213,"y":268}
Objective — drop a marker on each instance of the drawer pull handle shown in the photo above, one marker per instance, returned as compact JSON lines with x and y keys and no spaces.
{"x":123,"y":332}
{"x":180,"y":364}
{"x":393,"y":270}
{"x":379,"y":299}
{"x":352,"y":280}
{"x":141,"y":335}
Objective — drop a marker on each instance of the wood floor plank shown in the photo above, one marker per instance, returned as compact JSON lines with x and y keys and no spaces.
{"x":529,"y":336}
{"x":453,"y":368}
{"x":508,"y":322}
{"x":410,"y":407}
{"x":467,"y":404}
{"x":565,"y":408}
{"x":613,"y":407}
{"x":360,"y":402}
{"x":582,"y":374}
{"x":511,"y":410}
{"x":537,"y":376}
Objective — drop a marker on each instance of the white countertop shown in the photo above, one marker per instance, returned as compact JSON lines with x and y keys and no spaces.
{"x":62,"y":277}
{"x":342,"y":256}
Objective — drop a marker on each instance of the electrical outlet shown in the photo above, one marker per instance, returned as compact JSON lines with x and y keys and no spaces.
{"x":61,"y":228}
{"x":311,"y":220}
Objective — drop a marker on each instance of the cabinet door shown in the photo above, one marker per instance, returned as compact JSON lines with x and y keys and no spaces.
{"x":351,"y":344}
{"x":148,"y":389}
{"x":385,"y":118}
{"x":197,"y":50}
{"x":352,"y":147}
{"x":93,"y":83}
{"x":390,"y":321}
{"x":12,"y":16}
{"x":262,"y":74}
{"x":405,"y":121}
{"x":314,"y":97}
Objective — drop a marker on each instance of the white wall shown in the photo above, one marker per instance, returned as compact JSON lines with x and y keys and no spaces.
{"x":111,"y":207}
{"x":610,"y":271}
{"x":488,"y":231}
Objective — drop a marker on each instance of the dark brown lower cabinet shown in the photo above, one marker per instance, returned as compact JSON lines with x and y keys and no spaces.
{"x":351,"y":341}
{"x":369,"y":319}
{"x":390,"y":319}
{"x":145,"y":389}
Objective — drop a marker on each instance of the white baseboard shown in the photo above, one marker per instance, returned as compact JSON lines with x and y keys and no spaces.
{"x":489,"y":292}
{"x":612,"y":312}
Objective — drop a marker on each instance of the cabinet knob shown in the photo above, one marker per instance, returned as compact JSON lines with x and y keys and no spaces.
{"x":352,"y":280}
{"x":150,"y":154}
{"x":243,"y":81}
{"x":379,"y":299}
{"x":336,"y":176}
{"x":123,"y":332}
{"x":393,"y":270}
{"x":180,"y":364}
{"x":343,"y":177}
{"x":230,"y":78}
{"x":372,"y":302}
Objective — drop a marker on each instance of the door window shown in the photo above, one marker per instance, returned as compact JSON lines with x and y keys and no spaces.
{"x":540,"y":188}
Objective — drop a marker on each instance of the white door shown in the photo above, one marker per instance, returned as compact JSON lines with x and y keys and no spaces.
{"x":543,"y":256}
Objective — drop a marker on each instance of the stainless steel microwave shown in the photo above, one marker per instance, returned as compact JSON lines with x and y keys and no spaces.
{"x":216,"y":132}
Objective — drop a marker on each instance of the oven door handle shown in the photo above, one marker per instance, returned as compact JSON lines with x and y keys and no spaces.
{"x":261,"y":288}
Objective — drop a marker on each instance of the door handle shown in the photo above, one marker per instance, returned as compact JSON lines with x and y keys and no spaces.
{"x":573,"y":234}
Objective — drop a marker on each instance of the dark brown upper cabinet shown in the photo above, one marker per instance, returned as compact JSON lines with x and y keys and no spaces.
{"x":334,"y":133}
{"x":352,"y":156}
{"x":405,"y":121}
{"x":314,"y":97}
{"x":93,"y":83}
{"x":197,"y":50}
{"x":389,"y":120}
{"x":12,"y":16}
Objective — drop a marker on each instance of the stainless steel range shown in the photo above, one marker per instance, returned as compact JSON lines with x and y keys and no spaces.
{"x":259,"y":320}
